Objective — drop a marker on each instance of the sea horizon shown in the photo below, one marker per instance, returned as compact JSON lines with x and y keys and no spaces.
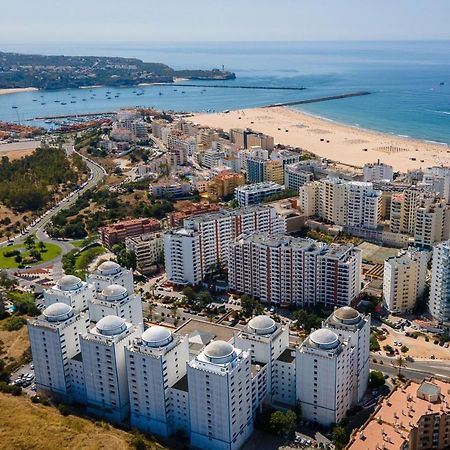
{"x":409,"y":81}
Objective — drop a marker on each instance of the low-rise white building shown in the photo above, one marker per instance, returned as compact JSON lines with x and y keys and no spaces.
{"x":253,"y":194}
{"x":378,"y":171}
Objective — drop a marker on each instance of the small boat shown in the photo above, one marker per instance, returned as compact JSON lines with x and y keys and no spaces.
{"x":63,"y":103}
{"x":73,"y":101}
{"x":57,"y":101}
{"x":34,"y":100}
{"x":83,"y":99}
{"x":42,"y":103}
{"x":160,"y":93}
{"x":442,"y":83}
{"x":14,"y":107}
{"x":183,"y":92}
{"x":108,"y":92}
{"x":116,"y":96}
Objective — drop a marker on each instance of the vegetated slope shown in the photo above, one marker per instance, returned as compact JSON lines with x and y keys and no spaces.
{"x":25,"y":425}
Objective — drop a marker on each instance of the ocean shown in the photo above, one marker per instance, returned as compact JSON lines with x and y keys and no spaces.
{"x":409,"y":82}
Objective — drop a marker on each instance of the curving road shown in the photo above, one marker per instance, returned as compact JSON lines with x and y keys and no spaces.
{"x":96,"y":176}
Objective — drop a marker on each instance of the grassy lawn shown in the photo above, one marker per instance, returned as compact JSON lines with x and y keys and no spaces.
{"x":25,"y":425}
{"x":78,"y":243}
{"x":51,"y":252}
{"x":84,"y":258}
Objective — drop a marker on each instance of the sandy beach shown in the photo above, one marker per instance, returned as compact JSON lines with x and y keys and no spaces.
{"x":328,"y":139}
{"x":16,"y":150}
{"x":17,"y":90}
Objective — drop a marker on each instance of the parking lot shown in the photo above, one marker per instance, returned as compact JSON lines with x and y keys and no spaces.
{"x":24,"y":378}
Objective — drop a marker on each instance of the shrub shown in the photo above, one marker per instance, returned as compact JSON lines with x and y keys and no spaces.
{"x":63,"y":409}
{"x":14,"y":323}
{"x":376,"y":379}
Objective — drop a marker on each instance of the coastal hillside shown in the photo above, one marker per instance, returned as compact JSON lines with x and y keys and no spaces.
{"x":62,"y":72}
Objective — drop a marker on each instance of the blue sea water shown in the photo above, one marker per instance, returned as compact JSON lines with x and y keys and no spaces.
{"x":404,"y":78}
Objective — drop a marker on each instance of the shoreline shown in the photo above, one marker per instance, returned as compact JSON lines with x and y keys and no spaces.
{"x":17,"y":90}
{"x":347,"y":144}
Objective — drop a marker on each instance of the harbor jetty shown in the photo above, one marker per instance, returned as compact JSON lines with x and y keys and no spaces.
{"x":320,"y":99}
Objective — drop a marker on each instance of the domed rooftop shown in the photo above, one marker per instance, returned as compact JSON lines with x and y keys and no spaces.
{"x":262,"y":325}
{"x":111,"y":325}
{"x":58,"y":312}
{"x":347,"y":315}
{"x":114,"y":292}
{"x":109,"y":268}
{"x":157,"y":336}
{"x":219,"y":352}
{"x":69,"y":283}
{"x":324,"y":338}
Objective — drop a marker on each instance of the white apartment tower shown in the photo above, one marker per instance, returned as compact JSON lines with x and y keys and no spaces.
{"x":378,"y":171}
{"x":105,"y":373}
{"x":54,"y":340}
{"x":326,"y":381}
{"x":155,"y":362}
{"x":354,"y":327}
{"x":440,"y":284}
{"x":220,"y":397}
{"x":108,"y":273}
{"x":265,"y":340}
{"x":432,"y":223}
{"x":71,"y":291}
{"x":309,"y":198}
{"x":115,"y":300}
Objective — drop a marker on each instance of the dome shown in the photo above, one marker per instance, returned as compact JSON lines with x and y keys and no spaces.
{"x":111,"y":325}
{"x":114,"y":292}
{"x":219,"y":352}
{"x":157,"y":336}
{"x":69,"y":283}
{"x":262,"y":325}
{"x":324,"y":338}
{"x":109,"y":268}
{"x":347,"y":314}
{"x":58,"y":312}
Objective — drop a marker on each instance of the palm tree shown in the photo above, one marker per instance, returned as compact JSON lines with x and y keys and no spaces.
{"x":400,"y":362}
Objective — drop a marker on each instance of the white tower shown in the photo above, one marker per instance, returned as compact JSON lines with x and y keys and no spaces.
{"x":117,"y":301}
{"x":265,"y":340}
{"x":103,"y":354}
{"x":440,"y":284}
{"x":220,"y":397}
{"x":354,"y":327}
{"x":109,"y":272}
{"x":155,"y":362}
{"x":71,"y":291}
{"x":325,"y":379}
{"x":54,"y":340}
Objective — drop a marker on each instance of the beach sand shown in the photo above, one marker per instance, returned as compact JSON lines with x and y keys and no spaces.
{"x":16,"y":150}
{"x":345,"y":144}
{"x":17,"y":90}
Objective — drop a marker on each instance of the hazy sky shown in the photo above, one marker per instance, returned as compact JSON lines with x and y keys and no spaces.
{"x":221,"y":20}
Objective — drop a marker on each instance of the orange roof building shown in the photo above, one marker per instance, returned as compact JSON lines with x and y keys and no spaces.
{"x":416,"y":417}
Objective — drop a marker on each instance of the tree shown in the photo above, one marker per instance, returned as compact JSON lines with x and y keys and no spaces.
{"x":248,"y":305}
{"x":29,"y":241}
{"x":205,"y":298}
{"x":376,"y":379}
{"x":189,"y":293}
{"x":400,"y":362}
{"x":283,"y":423}
{"x":404,"y":349}
{"x":307,"y":320}
{"x":339,"y":436}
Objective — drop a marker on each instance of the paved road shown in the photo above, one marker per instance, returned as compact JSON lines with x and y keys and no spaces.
{"x":97,"y":175}
{"x":415,"y":370}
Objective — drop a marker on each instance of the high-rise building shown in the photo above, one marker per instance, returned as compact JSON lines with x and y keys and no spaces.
{"x":440,"y":284}
{"x":378,"y":171}
{"x":326,"y":379}
{"x":71,"y":291}
{"x":309,"y":198}
{"x":404,"y":280}
{"x":354,"y":327}
{"x":285,"y":270}
{"x":115,"y":300}
{"x":295,"y":176}
{"x":54,"y":340}
{"x":248,"y":138}
{"x":105,"y":374}
{"x":156,"y":361}
{"x":108,"y":273}
{"x":432,"y":223}
{"x":220,"y":397}
{"x":198,"y":248}
{"x":438,"y":178}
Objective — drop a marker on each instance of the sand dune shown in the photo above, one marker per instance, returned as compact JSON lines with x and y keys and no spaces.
{"x":328,"y":139}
